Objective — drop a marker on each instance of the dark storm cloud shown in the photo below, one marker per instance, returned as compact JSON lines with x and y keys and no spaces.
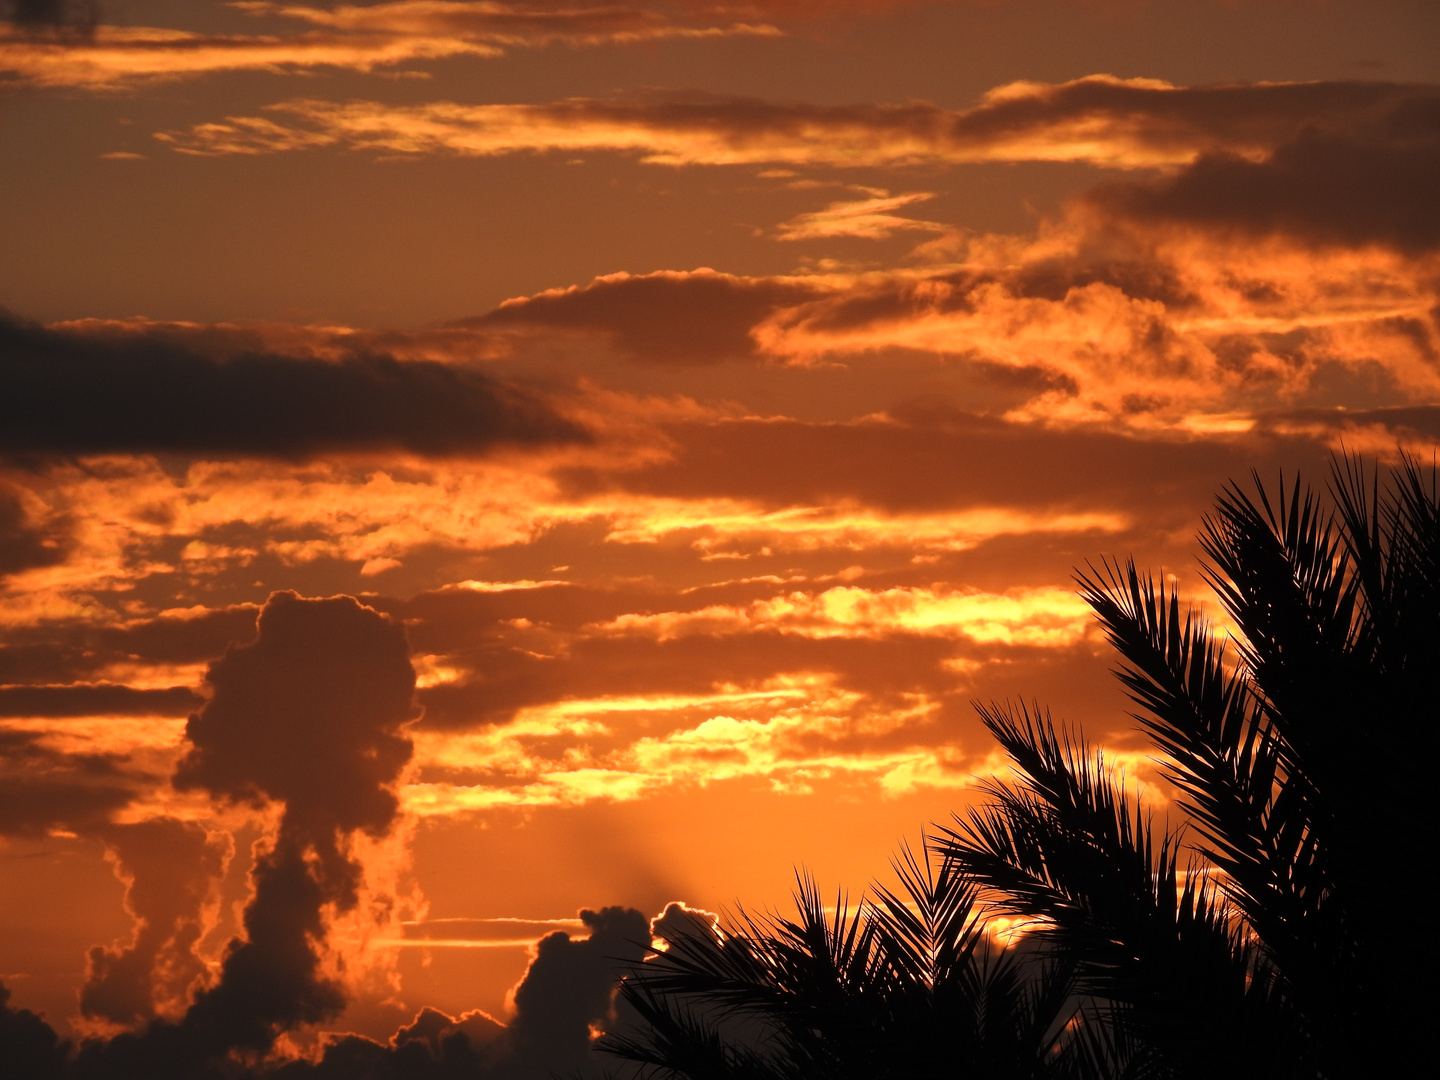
{"x":700,"y":316}
{"x":67,"y":392}
{"x":43,"y":789}
{"x":1372,"y":185}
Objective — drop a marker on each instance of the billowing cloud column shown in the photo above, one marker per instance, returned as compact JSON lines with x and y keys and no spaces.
{"x":311,"y":715}
{"x":173,"y":867}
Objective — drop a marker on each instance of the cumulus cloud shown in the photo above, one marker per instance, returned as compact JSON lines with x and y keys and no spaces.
{"x":29,"y":1045}
{"x":1099,"y":119}
{"x":566,"y":998}
{"x":349,"y":36}
{"x":324,"y":681}
{"x":310,"y":717}
{"x":568,"y":992}
{"x":69,"y":392}
{"x":171,"y":869}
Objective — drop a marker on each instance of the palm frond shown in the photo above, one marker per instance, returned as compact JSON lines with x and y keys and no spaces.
{"x":1222,"y":751}
{"x":1067,"y":848}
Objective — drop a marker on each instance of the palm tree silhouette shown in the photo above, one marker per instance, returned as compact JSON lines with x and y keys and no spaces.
{"x":1286,"y":944}
{"x":904,"y":984}
{"x":1278,"y":931}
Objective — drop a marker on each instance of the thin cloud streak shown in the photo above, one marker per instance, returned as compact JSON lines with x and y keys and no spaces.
{"x":347,"y":37}
{"x":1099,"y":119}
{"x":867,"y":219}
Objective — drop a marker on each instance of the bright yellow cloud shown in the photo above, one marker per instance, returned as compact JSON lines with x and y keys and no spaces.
{"x":1045,"y":616}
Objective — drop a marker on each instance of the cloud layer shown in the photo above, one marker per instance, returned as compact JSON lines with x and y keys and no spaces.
{"x":348,"y":36}
{"x":70,"y":393}
{"x":1100,"y":119}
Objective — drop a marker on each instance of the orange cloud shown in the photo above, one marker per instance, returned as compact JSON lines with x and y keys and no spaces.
{"x":1181,"y":331}
{"x":118,"y":56}
{"x":794,"y":731}
{"x":499,"y":23}
{"x":1163,"y":327}
{"x":353,"y":37}
{"x":1099,"y":119}
{"x":1046,"y":616}
{"x":868,"y":218}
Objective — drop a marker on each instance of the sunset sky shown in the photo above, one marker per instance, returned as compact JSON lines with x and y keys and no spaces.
{"x":712,"y":400}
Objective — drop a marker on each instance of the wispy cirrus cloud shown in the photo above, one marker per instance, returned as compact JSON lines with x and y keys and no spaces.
{"x":503,"y":24}
{"x":869,"y":218}
{"x":1099,"y":119}
{"x":351,"y":37}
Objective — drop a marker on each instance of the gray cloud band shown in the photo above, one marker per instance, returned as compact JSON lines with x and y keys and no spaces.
{"x":70,"y":393}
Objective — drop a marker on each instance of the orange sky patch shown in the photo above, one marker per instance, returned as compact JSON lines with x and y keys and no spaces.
{"x":711,"y":400}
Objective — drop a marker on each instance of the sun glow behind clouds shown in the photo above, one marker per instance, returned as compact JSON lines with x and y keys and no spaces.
{"x":790,"y":734}
{"x":1048,"y":616}
{"x":699,"y":569}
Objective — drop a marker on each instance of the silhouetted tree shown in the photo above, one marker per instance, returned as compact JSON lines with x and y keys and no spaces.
{"x":1294,"y":939}
{"x":1280,"y":930}
{"x":904,"y":984}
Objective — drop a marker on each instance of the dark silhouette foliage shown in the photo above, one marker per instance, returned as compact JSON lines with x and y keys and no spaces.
{"x":901,"y":984}
{"x":1302,"y":754}
{"x":1271,"y":933}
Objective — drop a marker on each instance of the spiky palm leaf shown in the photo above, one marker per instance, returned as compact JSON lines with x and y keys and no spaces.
{"x":1068,"y":849}
{"x":1255,"y":815}
{"x":1338,"y":614}
{"x":905,"y":985}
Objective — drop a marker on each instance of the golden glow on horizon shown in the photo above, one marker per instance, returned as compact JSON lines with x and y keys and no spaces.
{"x":719,"y":397}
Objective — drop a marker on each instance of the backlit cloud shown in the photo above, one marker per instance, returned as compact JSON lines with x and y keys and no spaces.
{"x":868,"y":218}
{"x":796,"y":730}
{"x":507,"y":24}
{"x":1100,"y":119}
{"x":1029,"y":617}
{"x":70,"y":392}
{"x":679,"y":464}
{"x":354,"y":37}
{"x":1109,"y":318}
